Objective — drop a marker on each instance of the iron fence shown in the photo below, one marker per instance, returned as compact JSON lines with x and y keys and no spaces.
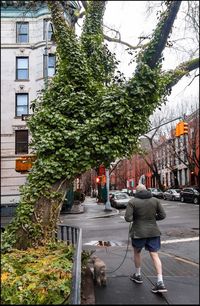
{"x":73,"y":235}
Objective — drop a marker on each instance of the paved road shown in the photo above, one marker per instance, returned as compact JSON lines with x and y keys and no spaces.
{"x":182,"y":223}
{"x":181,"y":227}
{"x":178,"y":255}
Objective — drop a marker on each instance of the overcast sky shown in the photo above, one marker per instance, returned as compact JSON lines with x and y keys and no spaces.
{"x":131,"y":20}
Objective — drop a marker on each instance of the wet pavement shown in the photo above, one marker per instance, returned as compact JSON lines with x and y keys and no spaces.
{"x":181,"y":279}
{"x":181,"y":276}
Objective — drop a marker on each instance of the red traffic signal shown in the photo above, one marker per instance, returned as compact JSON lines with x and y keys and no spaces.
{"x":102,"y":170}
{"x":98,"y":179}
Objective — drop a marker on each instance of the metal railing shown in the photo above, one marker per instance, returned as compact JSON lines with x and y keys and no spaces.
{"x":73,"y":235}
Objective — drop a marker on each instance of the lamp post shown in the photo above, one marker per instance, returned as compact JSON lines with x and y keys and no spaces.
{"x":46,"y":54}
{"x":107,"y":205}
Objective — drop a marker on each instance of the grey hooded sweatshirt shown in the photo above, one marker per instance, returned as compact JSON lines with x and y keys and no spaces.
{"x":144,"y":210}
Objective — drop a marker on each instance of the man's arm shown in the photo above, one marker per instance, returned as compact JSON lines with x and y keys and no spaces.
{"x":160,"y":214}
{"x":129,"y":212}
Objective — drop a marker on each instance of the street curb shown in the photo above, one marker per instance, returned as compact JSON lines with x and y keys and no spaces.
{"x":105,"y":216}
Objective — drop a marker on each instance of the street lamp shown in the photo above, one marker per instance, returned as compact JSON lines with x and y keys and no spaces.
{"x":46,"y":54}
{"x":107,"y":205}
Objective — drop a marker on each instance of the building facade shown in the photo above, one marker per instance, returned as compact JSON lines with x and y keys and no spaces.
{"x":27,"y":60}
{"x":175,"y":160}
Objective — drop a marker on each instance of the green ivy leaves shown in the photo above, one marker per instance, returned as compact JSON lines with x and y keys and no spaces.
{"x":88,"y":115}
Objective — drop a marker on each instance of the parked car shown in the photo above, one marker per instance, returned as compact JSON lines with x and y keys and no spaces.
{"x":132,"y":193}
{"x":119,"y":199}
{"x":190,"y":194}
{"x":112,"y":192}
{"x":125,"y":190}
{"x":156,"y":192}
{"x":172,"y":194}
{"x":128,"y":191}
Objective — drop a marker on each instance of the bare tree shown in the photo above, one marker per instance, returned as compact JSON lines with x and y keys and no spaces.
{"x":150,"y":156}
{"x":184,"y":150}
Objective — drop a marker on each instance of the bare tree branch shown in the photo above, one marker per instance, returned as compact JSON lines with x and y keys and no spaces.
{"x":111,"y":170}
{"x":118,"y":40}
{"x":181,"y":70}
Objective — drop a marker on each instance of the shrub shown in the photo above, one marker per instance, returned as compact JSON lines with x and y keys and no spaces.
{"x":41,"y":276}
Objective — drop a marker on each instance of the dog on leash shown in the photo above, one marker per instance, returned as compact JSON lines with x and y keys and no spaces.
{"x":99,"y":273}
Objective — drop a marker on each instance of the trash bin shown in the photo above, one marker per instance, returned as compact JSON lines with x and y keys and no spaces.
{"x":69,"y":200}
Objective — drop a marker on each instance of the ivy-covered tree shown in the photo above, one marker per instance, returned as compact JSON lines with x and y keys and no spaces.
{"x":89,"y":115}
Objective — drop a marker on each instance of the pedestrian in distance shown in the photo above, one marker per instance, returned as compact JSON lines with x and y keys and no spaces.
{"x":144,"y":211}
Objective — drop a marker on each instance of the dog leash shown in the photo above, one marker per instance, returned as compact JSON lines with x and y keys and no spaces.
{"x":125,"y":252}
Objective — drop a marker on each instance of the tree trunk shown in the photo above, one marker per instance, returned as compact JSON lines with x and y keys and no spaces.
{"x":45,"y":217}
{"x":158,"y":180}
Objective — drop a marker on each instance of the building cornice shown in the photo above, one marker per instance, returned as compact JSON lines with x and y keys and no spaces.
{"x":26,"y":46}
{"x":12,"y":10}
{"x":19,"y":9}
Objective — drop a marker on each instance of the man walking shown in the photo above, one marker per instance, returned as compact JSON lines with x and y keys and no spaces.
{"x":144,"y":210}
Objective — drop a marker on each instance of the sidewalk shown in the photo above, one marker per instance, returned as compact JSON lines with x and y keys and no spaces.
{"x":90,"y":209}
{"x":181,"y":277}
{"x":181,"y":280}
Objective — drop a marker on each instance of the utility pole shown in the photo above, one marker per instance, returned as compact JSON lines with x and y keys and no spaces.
{"x":181,"y":117}
{"x":108,"y":205}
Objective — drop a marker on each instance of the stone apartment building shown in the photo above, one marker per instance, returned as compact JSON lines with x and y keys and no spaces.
{"x":26,"y":40}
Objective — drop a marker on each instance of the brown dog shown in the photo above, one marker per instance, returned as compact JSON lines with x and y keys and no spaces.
{"x":99,"y":271}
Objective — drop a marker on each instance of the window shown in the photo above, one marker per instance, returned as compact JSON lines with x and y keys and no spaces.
{"x":51,"y":65}
{"x":50,"y":30}
{"x":22,"y":68}
{"x":22,"y":29}
{"x":166,"y":179}
{"x":21,"y":104}
{"x":186,"y":176}
{"x":180,"y":177}
{"x":171,"y":180}
{"x":21,"y":142}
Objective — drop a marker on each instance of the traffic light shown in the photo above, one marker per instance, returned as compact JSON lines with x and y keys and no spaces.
{"x":103,"y":179}
{"x":98,"y":179}
{"x":185,"y":128}
{"x":177,"y":133}
{"x":181,"y":128}
{"x":102,"y":170}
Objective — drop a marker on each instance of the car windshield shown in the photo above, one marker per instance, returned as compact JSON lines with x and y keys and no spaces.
{"x":121,"y":196}
{"x":177,"y":190}
{"x":197,"y":189}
